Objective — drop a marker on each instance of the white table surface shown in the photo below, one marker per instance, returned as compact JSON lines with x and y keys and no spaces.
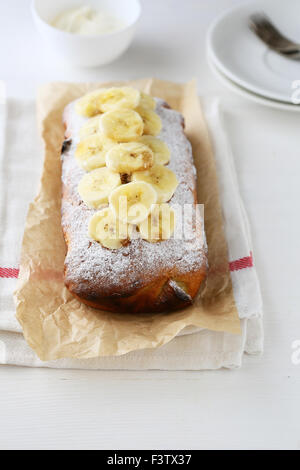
{"x":255,"y":407}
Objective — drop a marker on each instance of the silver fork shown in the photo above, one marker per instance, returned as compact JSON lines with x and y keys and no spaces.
{"x":261,"y":25}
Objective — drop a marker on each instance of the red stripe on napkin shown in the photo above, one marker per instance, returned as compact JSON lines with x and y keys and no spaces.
{"x":9,"y":273}
{"x":241,"y":263}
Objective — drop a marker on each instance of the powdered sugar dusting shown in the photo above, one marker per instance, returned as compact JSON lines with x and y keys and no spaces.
{"x":117,"y":272}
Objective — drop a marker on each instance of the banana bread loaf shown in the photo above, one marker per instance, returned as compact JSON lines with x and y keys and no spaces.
{"x":135,"y":273}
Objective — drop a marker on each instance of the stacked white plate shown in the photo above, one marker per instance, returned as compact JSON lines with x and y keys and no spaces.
{"x":246,"y":65}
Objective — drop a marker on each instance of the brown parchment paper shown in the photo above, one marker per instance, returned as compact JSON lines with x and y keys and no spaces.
{"x":54,"y":323}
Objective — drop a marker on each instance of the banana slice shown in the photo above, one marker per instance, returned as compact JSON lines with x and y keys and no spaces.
{"x":92,"y":126}
{"x":88,"y":104}
{"x":159,"y":225}
{"x":122,"y":97}
{"x":108,"y":99}
{"x":104,"y":227}
{"x":129,"y":157}
{"x":122,"y":125}
{"x":161,"y":178}
{"x":151,"y":120}
{"x":159,"y":148}
{"x":132,"y":202}
{"x":96,"y":186}
{"x":90,"y":152}
{"x":147,"y":101}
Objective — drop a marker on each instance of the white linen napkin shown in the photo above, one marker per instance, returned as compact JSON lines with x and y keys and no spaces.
{"x":21,"y":162}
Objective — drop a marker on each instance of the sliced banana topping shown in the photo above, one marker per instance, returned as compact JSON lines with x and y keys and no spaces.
{"x":132,"y":202}
{"x":129,"y":157}
{"x":126,"y":168}
{"x":151,"y":120}
{"x":88,"y":104}
{"x":159,"y":225}
{"x":161,"y":178}
{"x":96,"y":186}
{"x":116,"y":98}
{"x":104,"y":227}
{"x":90,"y":152}
{"x":92,"y":126}
{"x":159,"y":148}
{"x":122,"y":125}
{"x":108,"y":99}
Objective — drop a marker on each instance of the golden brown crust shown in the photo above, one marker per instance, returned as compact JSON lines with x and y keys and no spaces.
{"x":165,"y":295}
{"x":168,"y":288}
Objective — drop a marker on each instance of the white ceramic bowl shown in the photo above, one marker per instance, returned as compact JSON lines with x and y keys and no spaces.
{"x":87,"y":51}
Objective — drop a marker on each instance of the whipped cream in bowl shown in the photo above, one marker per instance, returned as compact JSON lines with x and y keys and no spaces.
{"x":87,"y":21}
{"x":87,"y":32}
